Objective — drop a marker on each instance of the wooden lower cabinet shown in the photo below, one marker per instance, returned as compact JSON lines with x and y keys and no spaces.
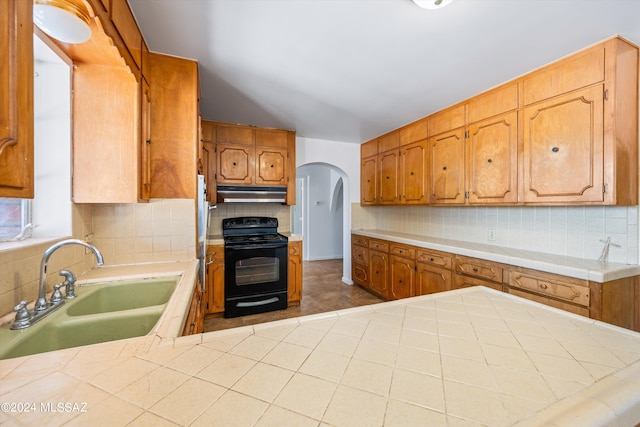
{"x":476,"y":272}
{"x":379,"y":273}
{"x":402,"y":272}
{"x":393,"y":271}
{"x":215,"y":280}
{"x":295,"y":272}
{"x":430,"y":279}
{"x":195,"y":318}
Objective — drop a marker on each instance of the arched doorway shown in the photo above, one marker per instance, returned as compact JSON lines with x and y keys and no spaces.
{"x":323,"y":214}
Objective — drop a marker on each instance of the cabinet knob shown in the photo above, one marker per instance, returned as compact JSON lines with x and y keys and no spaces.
{"x":271,"y":165}
{"x":475,"y":270}
{"x":489,"y":161}
{"x":543,"y":286}
{"x":555,"y":149}
{"x":431,"y":259}
{"x":411,"y":173}
{"x":387,"y":177}
{"x":444,"y":168}
{"x":234,"y":163}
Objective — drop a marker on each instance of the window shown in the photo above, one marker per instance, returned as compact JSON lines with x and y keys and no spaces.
{"x":49,"y":214}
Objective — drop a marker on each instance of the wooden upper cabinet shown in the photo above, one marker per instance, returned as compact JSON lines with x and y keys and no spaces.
{"x":447,"y":120}
{"x":368,"y":181}
{"x":563,"y":149}
{"x":174,"y":126}
{"x":249,"y":155}
{"x":127,"y":28}
{"x":413,"y":132}
{"x":581,"y":128}
{"x":492,"y":160}
{"x":413,"y":173}
{"x":567,"y":75}
{"x":390,"y":141}
{"x":16,"y":99}
{"x":271,"y":138}
{"x":208,"y":158}
{"x":388,"y":177}
{"x":235,"y":164}
{"x":145,"y":140}
{"x":271,"y":166}
{"x":495,"y":102}
{"x":446,"y":166}
{"x":106,"y":152}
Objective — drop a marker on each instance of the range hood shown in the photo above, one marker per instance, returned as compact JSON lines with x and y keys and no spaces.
{"x":251,"y":194}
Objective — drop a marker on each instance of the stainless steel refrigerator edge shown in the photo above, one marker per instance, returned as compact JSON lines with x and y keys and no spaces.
{"x":203,"y":225}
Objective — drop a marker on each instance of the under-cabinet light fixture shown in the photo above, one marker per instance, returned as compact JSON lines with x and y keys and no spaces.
{"x":64,"y":20}
{"x":432,"y":4}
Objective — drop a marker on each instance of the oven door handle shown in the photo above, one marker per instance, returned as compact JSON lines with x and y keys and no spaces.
{"x":256,"y":246}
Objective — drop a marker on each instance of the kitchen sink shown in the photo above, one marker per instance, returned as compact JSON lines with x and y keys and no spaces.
{"x":124,"y":296}
{"x":101,"y":312}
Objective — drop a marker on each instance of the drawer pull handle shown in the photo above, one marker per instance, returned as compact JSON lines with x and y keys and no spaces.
{"x":543,"y":286}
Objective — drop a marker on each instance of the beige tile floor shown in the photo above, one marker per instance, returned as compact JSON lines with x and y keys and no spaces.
{"x":462,"y":358}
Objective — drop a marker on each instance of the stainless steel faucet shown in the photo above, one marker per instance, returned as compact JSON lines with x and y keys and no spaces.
{"x":41,"y":303}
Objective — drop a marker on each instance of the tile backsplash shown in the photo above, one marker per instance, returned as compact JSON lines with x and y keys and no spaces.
{"x":567,"y":231}
{"x":161,"y":230}
{"x":231,"y":210}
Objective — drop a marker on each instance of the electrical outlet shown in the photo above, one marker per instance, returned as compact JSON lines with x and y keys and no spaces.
{"x":492,"y":235}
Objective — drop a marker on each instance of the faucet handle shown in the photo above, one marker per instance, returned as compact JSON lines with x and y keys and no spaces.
{"x":69,"y":283}
{"x":22,"y":312}
{"x":56,"y":297}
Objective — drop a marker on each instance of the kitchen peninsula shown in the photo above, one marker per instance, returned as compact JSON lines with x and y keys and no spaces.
{"x":464,"y":356}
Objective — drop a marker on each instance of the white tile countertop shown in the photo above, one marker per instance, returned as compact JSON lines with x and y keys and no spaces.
{"x":567,"y":266}
{"x":467,"y":357}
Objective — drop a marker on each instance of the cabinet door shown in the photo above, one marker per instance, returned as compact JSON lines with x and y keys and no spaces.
{"x":271,"y":166}
{"x":174,"y":126}
{"x":208,"y":159}
{"x":145,"y":141}
{"x":430,"y":279}
{"x":271,"y":138}
{"x":215,"y":279}
{"x":368,"y":187}
{"x":16,"y":99}
{"x":235,"y":164}
{"x":401,"y":272}
{"x":295,"y":271}
{"x":446,"y":161}
{"x":379,"y":273}
{"x":388,"y":178}
{"x":563,"y":148}
{"x":492,"y":160}
{"x":413,"y":173}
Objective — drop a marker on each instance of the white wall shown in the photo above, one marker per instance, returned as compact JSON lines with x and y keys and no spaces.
{"x":323,"y":212}
{"x":343,"y":155}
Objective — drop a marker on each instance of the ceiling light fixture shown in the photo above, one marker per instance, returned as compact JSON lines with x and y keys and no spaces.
{"x":64,"y":20}
{"x":432,"y":4}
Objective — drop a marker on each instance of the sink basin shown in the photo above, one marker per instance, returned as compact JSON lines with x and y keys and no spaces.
{"x":124,"y":296}
{"x":100,"y":313}
{"x":84,"y":330}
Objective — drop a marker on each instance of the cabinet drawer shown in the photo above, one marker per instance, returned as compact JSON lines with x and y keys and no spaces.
{"x":360,"y":255}
{"x":360,"y":241}
{"x":482,"y":270}
{"x":403,"y":251}
{"x":434,"y":258}
{"x":582,"y":311}
{"x":359,"y":275}
{"x":460,"y":281}
{"x":571,"y":292}
{"x":379,"y":246}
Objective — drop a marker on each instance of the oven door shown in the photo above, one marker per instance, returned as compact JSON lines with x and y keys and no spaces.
{"x":255,"y":278}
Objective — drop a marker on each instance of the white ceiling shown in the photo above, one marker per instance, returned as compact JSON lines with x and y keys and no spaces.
{"x":350,"y":70}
